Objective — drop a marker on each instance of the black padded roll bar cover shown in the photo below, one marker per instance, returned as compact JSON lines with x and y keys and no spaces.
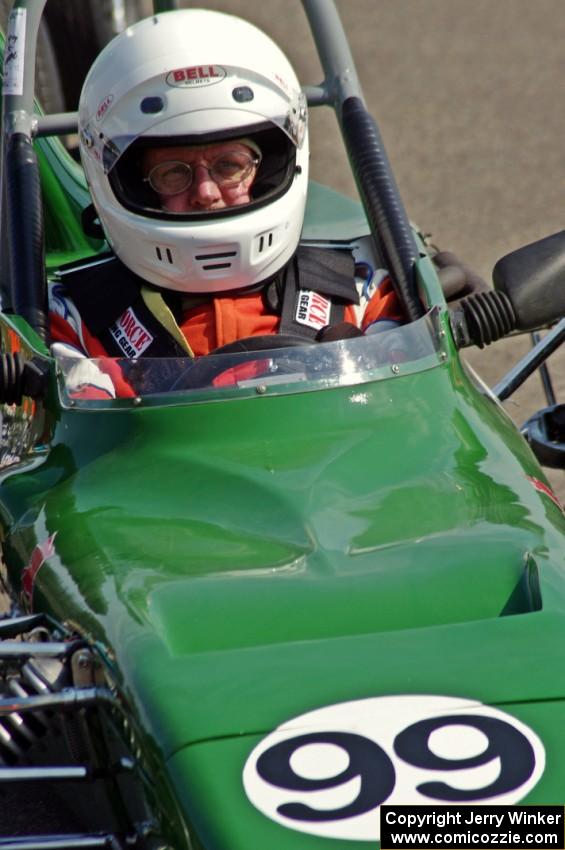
{"x":533,"y":277}
{"x":25,"y":222}
{"x":381,"y":199}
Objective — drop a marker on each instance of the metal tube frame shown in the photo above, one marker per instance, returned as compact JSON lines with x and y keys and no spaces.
{"x":66,"y":842}
{"x":530,"y":362}
{"x":546,"y":381}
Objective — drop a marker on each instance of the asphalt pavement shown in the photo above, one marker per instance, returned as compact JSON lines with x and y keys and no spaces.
{"x":468,"y":96}
{"x":469,"y":101}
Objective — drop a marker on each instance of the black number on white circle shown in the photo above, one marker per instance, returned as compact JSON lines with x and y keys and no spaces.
{"x":367,"y":761}
{"x":516,"y":754}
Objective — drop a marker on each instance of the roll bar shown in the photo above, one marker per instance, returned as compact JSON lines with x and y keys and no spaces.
{"x":340,"y":89}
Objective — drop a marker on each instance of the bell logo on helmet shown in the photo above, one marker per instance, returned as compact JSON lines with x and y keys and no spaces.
{"x":198,"y":75}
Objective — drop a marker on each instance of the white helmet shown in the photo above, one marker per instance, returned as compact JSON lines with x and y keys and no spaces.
{"x":193,"y":77}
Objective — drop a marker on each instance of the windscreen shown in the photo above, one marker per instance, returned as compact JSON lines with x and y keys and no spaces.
{"x":107,"y":382}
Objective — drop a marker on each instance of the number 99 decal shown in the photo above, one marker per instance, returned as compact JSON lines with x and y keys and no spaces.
{"x":328,"y":772}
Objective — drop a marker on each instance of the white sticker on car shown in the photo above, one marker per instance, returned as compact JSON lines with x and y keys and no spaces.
{"x":13,"y":77}
{"x":328,"y":772}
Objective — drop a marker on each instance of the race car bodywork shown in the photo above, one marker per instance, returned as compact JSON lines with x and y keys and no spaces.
{"x":247,"y":615}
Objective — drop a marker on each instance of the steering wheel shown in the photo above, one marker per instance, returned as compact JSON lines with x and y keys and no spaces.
{"x":262,"y":343}
{"x":202,"y":372}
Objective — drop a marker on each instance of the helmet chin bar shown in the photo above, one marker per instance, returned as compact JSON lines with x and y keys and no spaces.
{"x":208,"y":254}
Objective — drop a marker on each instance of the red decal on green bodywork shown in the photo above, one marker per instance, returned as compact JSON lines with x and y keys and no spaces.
{"x":543,"y":488}
{"x":40,"y":554}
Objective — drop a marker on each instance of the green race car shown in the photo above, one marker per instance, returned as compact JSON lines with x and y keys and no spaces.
{"x":351,"y":591}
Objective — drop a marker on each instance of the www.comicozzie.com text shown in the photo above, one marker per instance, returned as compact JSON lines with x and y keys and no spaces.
{"x":485,"y":828}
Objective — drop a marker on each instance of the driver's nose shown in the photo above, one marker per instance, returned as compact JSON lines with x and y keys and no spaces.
{"x":204,"y":191}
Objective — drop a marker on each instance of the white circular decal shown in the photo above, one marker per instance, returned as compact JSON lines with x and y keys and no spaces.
{"x":327,"y":772}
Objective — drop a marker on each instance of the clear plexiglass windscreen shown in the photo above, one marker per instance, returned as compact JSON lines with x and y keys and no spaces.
{"x":107,"y":381}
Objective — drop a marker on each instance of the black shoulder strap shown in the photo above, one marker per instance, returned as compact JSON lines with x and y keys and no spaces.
{"x":109,"y":299}
{"x":315,"y":287}
{"x":101,"y":290}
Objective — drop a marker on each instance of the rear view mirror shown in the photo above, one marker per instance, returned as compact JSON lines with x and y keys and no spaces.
{"x":529,"y":293}
{"x":533,"y":278}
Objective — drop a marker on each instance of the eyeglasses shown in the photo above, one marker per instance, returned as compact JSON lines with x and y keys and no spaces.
{"x":227,"y":169}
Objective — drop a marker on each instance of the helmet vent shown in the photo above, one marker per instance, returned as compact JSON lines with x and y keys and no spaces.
{"x":164,"y":255}
{"x":216,"y":260}
{"x":264,"y":241}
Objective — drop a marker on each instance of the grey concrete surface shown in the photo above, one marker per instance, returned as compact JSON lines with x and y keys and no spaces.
{"x":468,"y":96}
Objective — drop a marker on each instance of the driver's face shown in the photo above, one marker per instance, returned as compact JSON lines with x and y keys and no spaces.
{"x":203,"y":193}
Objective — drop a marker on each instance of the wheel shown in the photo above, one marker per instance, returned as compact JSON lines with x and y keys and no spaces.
{"x":79,"y":31}
{"x":71,"y":35}
{"x":267,"y":342}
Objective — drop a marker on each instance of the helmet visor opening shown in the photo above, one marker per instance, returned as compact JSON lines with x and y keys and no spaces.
{"x":242,"y":172}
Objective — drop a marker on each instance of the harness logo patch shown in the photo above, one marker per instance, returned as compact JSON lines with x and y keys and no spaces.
{"x":132,"y":337}
{"x":312,"y":309}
